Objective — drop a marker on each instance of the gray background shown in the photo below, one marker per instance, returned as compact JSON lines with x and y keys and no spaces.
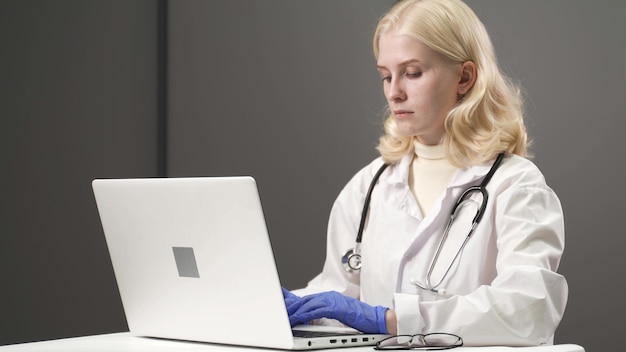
{"x":285,"y":91}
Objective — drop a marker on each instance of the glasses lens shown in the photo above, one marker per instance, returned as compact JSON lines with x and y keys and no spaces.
{"x":395,"y":341}
{"x":441,"y":340}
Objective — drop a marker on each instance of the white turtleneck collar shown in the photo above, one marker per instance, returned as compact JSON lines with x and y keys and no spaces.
{"x":429,"y":175}
{"x":430,"y":153}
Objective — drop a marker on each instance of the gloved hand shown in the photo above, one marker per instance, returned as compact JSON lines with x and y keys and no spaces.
{"x":292,"y":302}
{"x":347,"y":310}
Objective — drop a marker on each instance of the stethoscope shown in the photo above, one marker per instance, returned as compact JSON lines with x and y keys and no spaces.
{"x":351,"y":259}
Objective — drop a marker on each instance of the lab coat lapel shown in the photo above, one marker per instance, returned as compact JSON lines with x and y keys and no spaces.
{"x":468,"y":176}
{"x":401,"y":197}
{"x":462,"y":179}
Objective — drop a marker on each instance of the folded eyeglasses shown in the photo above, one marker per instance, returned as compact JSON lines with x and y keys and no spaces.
{"x":423,"y":342}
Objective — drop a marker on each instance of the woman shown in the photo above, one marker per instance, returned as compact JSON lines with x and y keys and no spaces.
{"x":452,"y":113}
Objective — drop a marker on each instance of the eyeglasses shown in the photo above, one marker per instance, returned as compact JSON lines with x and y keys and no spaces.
{"x":424,"y":342}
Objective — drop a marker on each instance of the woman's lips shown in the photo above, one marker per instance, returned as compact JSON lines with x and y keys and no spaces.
{"x":402,"y":113}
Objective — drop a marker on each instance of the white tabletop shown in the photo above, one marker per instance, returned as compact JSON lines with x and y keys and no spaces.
{"x":126,"y":342}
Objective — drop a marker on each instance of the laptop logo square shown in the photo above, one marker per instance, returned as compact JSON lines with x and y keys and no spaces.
{"x":185,"y":262}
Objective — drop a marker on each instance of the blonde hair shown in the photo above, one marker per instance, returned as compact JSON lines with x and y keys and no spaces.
{"x":489,"y":117}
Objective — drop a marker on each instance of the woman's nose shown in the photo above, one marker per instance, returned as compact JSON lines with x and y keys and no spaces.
{"x":395,"y":92}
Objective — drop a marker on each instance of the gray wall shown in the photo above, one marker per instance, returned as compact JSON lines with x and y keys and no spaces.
{"x":77,"y":101}
{"x":285,"y":91}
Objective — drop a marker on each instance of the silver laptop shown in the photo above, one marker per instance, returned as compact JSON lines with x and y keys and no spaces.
{"x":193,"y":261}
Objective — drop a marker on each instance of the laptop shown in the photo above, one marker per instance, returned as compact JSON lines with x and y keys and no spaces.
{"x":193,"y":261}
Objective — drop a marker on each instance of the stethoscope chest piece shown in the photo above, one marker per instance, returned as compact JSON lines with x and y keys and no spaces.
{"x":351,"y":260}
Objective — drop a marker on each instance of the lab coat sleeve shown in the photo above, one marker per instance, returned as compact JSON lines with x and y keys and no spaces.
{"x":343,"y":225}
{"x":525,"y":302}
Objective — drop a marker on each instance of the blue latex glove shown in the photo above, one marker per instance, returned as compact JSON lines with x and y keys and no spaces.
{"x":347,"y":310}
{"x":292,"y":302}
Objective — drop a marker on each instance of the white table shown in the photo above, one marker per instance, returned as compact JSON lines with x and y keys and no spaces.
{"x":126,"y":342}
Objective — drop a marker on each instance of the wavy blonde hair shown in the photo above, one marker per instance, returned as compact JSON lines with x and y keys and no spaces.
{"x":489,"y":118}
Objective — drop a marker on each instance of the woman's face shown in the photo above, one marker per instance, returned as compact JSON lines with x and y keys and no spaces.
{"x":420,"y":85}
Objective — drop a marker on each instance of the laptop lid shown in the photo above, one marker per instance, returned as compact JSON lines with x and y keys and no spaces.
{"x":193,"y":261}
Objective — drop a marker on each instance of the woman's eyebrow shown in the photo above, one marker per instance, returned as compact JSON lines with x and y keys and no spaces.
{"x":401,"y":64}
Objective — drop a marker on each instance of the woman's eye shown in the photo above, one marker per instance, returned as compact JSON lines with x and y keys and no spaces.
{"x":386,"y":78}
{"x":414,"y":74}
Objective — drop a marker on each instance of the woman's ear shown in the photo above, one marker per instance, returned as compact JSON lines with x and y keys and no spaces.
{"x":468,"y":77}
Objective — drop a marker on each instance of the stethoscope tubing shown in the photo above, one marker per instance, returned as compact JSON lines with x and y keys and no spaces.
{"x":366,"y":203}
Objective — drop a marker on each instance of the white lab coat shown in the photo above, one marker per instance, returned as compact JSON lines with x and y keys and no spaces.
{"x":502,"y":290}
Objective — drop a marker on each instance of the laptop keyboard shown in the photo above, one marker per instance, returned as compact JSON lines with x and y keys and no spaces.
{"x":306,"y":333}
